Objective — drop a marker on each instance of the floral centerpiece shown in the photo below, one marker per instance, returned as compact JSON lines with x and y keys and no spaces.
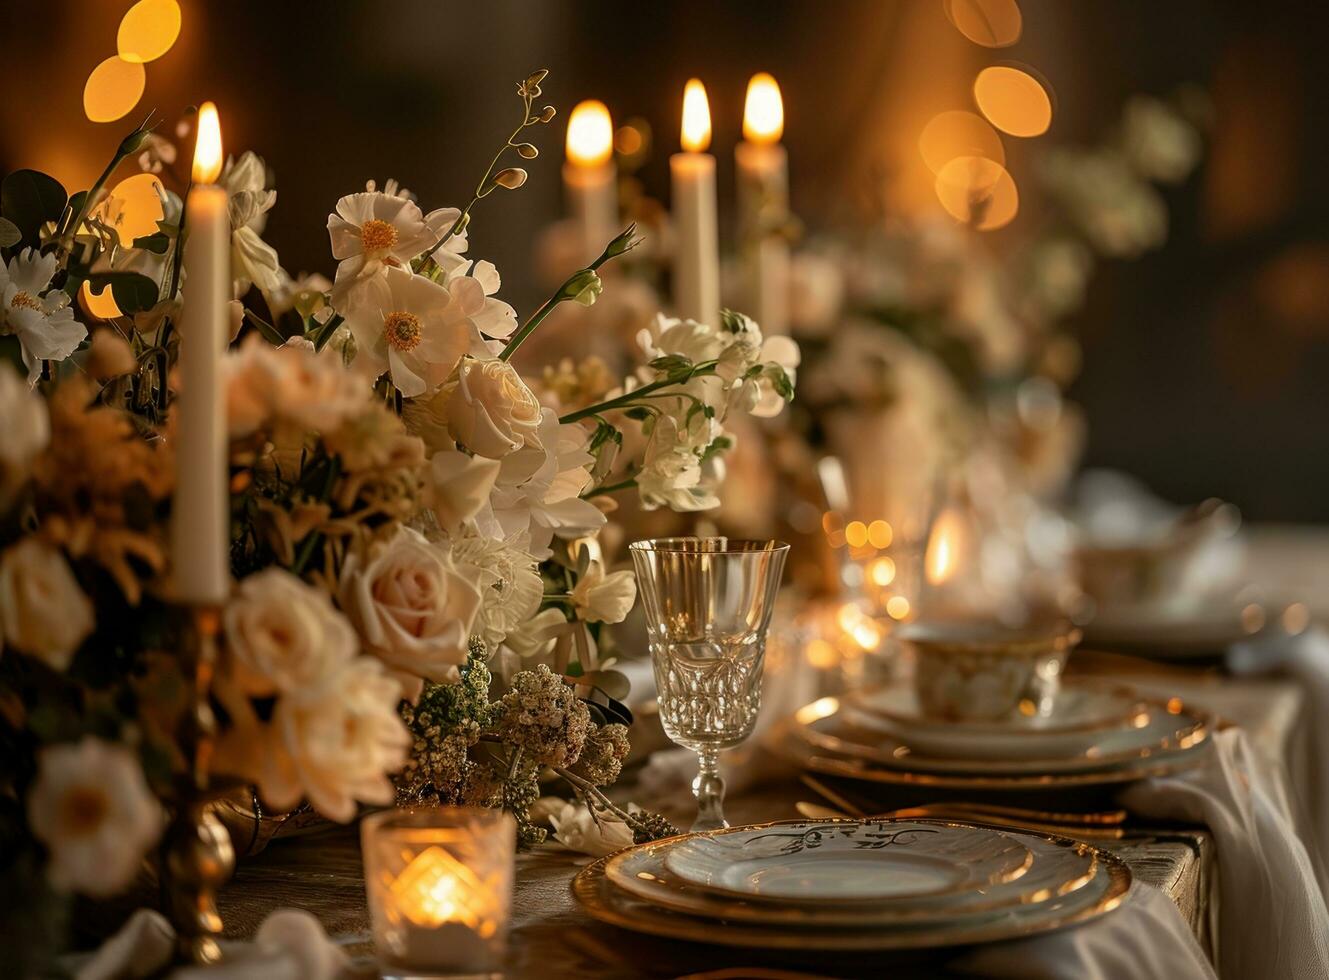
{"x":421,"y":604}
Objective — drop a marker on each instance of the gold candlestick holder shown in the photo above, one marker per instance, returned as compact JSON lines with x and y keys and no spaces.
{"x":197,"y":857}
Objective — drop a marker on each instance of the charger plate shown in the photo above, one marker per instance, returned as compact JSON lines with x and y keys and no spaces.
{"x":846,"y":861}
{"x":1054,"y":871}
{"x":1164,"y":728}
{"x":604,"y":901}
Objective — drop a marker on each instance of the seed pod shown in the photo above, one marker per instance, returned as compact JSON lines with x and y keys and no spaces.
{"x":547,"y":113}
{"x":511,"y":178}
{"x":527,"y":151}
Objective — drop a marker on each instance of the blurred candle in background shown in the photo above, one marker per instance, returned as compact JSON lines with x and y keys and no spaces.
{"x":590,"y":178}
{"x":200,"y":533}
{"x":763,"y":204}
{"x":696,"y":230}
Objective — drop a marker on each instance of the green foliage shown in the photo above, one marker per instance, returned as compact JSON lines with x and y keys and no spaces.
{"x":30,"y":198}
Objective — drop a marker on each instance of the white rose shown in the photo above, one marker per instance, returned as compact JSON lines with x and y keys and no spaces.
{"x":91,"y":807}
{"x":284,"y":635}
{"x":491,"y":411}
{"x":43,"y":611}
{"x":336,"y":742}
{"x":604,"y":598}
{"x":413,"y":606}
{"x":27,"y":424}
{"x":460,"y":485}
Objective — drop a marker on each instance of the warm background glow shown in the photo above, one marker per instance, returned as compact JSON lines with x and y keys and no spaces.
{"x":1013,"y":100}
{"x":763,"y":110}
{"x":696,"y":129}
{"x":590,"y":139}
{"x":978,"y":192}
{"x":958,"y":134}
{"x":113,"y":89}
{"x":208,"y":146}
{"x":991,"y":23}
{"x":148,"y":30}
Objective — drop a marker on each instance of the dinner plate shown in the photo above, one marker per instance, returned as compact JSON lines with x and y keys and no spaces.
{"x":846,"y":861}
{"x":604,"y":901}
{"x":1054,"y":870}
{"x":1202,"y":630}
{"x":800,"y":753}
{"x":1165,"y":727}
{"x":1079,"y":707}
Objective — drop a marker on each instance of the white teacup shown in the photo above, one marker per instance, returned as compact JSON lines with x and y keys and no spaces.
{"x":983,"y":671}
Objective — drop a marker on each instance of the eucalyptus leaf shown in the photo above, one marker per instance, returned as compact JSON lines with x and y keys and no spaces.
{"x":9,"y":233}
{"x":133,"y":292}
{"x":157,"y":243}
{"x":270,"y":333}
{"x":29,"y":198}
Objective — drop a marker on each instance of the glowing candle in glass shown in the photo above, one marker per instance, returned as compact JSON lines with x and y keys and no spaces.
{"x":439,"y":883}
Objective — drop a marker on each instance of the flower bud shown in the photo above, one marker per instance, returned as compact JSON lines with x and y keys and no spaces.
{"x":511,"y":178}
{"x":527,"y":151}
{"x":584,"y":288}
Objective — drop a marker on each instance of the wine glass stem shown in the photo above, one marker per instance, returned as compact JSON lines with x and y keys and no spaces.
{"x":708,"y":788}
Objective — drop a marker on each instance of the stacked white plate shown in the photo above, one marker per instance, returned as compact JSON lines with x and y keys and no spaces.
{"x":1094,"y":734}
{"x":853,"y":885}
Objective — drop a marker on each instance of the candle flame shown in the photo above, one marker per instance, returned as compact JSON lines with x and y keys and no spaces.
{"x":941,"y":559}
{"x":696,"y":135}
{"x":590,"y":140}
{"x":763,"y":111}
{"x":208,"y":146}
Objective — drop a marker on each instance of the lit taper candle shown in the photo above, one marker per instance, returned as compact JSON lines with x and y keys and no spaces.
{"x":200,"y":533}
{"x":763,"y":202}
{"x":590,"y":178}
{"x":696,"y":231}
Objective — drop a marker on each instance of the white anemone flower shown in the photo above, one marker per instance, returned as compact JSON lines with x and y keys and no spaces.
{"x":414,"y":328}
{"x":371,"y":230}
{"x":497,"y":319}
{"x":45,"y":325}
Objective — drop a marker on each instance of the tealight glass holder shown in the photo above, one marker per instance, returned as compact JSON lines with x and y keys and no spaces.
{"x":439,"y":883}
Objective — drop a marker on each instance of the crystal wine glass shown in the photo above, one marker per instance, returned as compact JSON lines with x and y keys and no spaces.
{"x":708,"y":604}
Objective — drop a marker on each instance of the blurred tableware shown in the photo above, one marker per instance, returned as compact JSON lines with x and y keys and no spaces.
{"x":439,"y":882}
{"x":1156,"y":566}
{"x":966,"y":670}
{"x":708,"y":605}
{"x":846,"y":862}
{"x":1067,"y":881}
{"x":1159,"y":730}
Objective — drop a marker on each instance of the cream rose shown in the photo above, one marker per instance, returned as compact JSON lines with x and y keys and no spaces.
{"x":490,"y":410}
{"x":413,"y":608}
{"x":601,"y":598}
{"x":43,"y":611}
{"x":91,"y":807}
{"x":336,"y":742}
{"x":284,"y":635}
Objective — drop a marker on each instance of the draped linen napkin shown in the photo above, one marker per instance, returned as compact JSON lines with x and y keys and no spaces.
{"x":289,"y":945}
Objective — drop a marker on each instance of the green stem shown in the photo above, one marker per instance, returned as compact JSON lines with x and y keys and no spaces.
{"x":614,"y":487}
{"x":314,"y":538}
{"x":177,"y":259}
{"x":529,"y":326}
{"x":629,"y":397}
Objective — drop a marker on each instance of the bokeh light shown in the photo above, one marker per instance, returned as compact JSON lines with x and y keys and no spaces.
{"x":590,"y":141}
{"x":856,"y":534}
{"x":100,"y":305}
{"x":113,"y":89}
{"x":1013,"y":100}
{"x":880,"y":534}
{"x":958,"y":134}
{"x":991,"y":23}
{"x":148,"y":30}
{"x":978,"y":192}
{"x":763,"y":110}
{"x":897,"y":607}
{"x":134,"y":207}
{"x":882,"y":571}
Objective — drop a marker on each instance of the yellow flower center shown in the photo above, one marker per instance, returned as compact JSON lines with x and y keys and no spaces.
{"x":83,"y":809}
{"x":22,"y":299}
{"x":402,"y":330}
{"x":377,"y":236}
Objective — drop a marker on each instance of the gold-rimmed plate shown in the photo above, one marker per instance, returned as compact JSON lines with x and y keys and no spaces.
{"x":1164,"y":729}
{"x":607,"y":903}
{"x":861,"y":770}
{"x":1054,"y":870}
